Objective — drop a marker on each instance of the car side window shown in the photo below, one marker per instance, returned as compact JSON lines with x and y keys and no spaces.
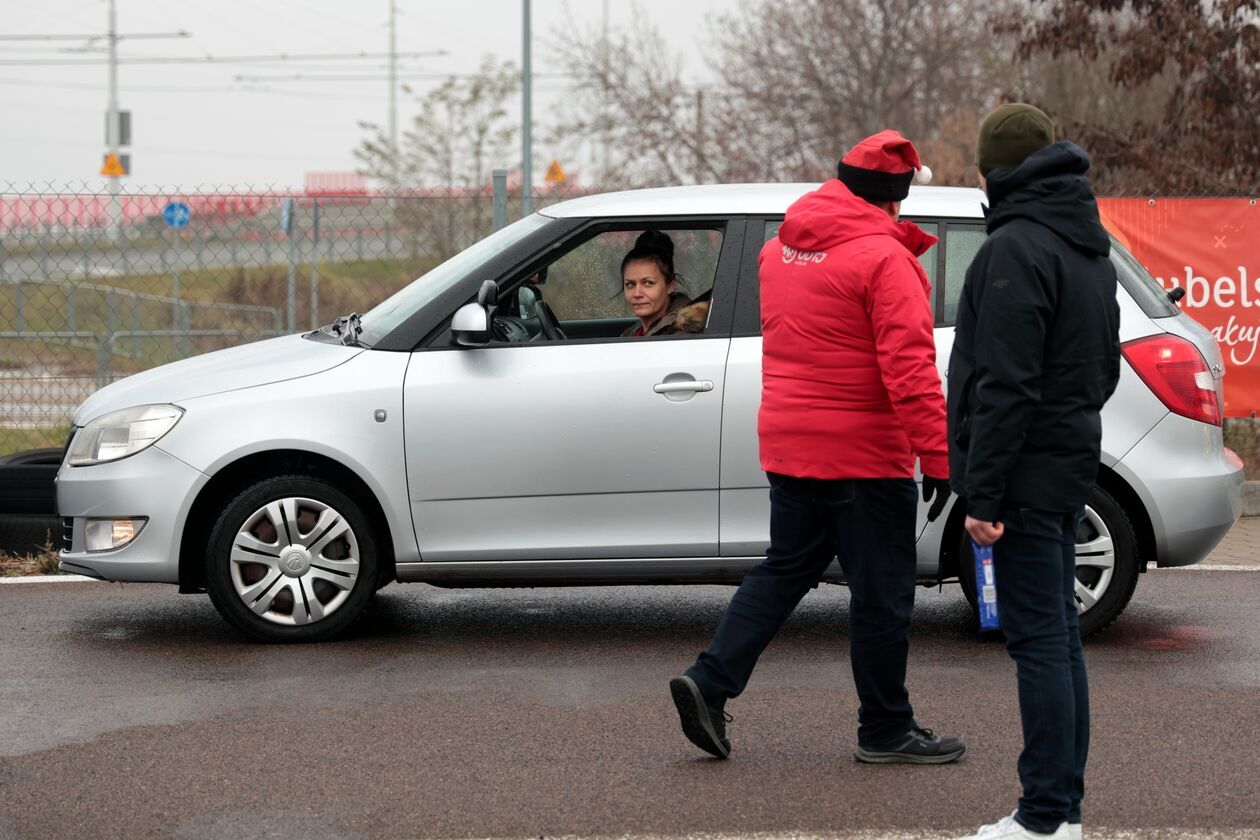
{"x":586,"y":282}
{"x":584,"y":291}
{"x":927,"y":260}
{"x":961,"y":244}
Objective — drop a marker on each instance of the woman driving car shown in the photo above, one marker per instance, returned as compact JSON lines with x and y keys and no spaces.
{"x":650,"y":286}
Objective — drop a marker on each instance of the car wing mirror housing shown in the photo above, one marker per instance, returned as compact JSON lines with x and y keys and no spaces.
{"x":488,"y":294}
{"x":471,"y":325}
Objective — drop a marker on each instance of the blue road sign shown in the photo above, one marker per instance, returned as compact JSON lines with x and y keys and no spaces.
{"x":177,"y":214}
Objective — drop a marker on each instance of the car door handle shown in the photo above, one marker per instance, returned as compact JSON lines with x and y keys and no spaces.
{"x":678,"y":387}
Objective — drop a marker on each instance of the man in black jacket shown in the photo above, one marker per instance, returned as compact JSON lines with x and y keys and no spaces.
{"x":1035,"y":356}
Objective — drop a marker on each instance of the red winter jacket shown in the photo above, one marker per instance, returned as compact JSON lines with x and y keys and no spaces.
{"x":849,"y":381}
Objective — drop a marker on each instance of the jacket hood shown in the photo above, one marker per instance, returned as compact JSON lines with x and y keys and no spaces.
{"x":1050,"y":188}
{"x":831,"y":214}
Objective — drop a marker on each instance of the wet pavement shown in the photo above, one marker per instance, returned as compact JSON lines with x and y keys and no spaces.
{"x":132,"y":711}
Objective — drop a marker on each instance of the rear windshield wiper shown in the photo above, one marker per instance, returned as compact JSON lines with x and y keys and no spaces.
{"x":348,"y":328}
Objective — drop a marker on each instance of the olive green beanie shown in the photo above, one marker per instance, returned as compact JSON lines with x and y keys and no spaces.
{"x":1009,"y":134}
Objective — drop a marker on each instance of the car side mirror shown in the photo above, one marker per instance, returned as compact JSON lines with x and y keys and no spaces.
{"x":488,"y":294}
{"x":471,"y":325}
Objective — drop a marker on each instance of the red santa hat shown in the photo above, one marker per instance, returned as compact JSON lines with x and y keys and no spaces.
{"x":882,"y":167}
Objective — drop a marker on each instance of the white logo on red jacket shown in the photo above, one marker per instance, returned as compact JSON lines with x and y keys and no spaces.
{"x":791,"y":255}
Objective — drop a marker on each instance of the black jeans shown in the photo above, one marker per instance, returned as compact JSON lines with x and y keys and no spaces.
{"x":869,"y":524}
{"x":1035,"y":565}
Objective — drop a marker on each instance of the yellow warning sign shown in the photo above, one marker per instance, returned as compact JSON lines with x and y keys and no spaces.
{"x":555,"y":175}
{"x":113,"y":166}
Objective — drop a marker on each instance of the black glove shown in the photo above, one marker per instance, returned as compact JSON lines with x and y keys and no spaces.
{"x":939,"y":487}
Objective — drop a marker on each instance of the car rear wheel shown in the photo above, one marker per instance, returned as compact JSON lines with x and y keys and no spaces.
{"x":291,"y":559}
{"x":1106,"y":563}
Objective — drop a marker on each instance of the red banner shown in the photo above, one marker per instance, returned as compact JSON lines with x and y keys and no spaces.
{"x":1211,"y":248}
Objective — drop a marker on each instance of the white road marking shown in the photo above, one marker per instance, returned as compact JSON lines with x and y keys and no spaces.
{"x":1093,"y":833}
{"x":50,"y":579}
{"x":1210,"y":567}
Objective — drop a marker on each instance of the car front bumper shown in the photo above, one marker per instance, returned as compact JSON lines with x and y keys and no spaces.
{"x":150,"y":484}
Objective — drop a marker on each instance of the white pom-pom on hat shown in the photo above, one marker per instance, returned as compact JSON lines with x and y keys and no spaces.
{"x":922,"y":175}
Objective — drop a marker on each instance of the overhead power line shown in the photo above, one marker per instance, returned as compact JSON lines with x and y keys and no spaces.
{"x":214,"y":59}
{"x":95,"y":36}
{"x":309,"y":77}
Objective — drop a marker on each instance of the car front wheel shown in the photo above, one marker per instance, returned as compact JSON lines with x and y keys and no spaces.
{"x":291,"y":559}
{"x":1106,"y":563}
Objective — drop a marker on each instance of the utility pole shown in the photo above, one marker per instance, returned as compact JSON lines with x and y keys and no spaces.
{"x":527,"y":146}
{"x":112,"y":124}
{"x":393,"y":95}
{"x":699,"y":135}
{"x":114,"y":138}
{"x":605,"y":117}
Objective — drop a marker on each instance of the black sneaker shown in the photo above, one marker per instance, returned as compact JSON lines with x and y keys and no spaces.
{"x":703,"y":725}
{"x":918,"y":746}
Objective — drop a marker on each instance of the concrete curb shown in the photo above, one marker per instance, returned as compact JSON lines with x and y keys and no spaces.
{"x":1251,"y":498}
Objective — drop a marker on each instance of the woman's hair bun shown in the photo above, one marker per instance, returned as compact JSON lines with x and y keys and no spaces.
{"x":656,"y":241}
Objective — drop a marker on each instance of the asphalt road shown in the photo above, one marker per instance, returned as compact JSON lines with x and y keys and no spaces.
{"x":132,"y":711}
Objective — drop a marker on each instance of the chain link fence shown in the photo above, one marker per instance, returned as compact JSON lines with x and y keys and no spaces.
{"x":93,"y":289}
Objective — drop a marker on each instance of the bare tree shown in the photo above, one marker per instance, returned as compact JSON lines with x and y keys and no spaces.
{"x":629,"y":100}
{"x":460,"y":131}
{"x":1164,"y":94}
{"x":822,"y":74}
{"x":796,"y":84}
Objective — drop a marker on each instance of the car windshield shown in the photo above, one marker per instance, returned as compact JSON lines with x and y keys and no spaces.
{"x":391,"y":312}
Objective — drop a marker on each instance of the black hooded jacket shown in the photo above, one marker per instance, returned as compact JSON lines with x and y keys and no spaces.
{"x":1036,"y":351}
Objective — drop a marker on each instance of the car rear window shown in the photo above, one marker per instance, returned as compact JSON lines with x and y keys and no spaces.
{"x":1140,"y":285}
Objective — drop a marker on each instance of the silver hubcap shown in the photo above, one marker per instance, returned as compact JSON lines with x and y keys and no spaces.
{"x":1095,"y":560}
{"x":295,"y":561}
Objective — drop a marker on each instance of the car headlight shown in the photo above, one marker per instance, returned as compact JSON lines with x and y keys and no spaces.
{"x":122,"y":433}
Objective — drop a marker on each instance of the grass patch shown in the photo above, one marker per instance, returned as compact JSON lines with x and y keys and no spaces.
{"x":85,"y":306}
{"x":64,"y":245}
{"x":211,"y":296}
{"x":43,"y":563}
{"x":45,"y":437}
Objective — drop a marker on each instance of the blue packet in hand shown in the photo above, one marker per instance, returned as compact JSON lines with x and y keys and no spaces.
{"x":986,"y":587}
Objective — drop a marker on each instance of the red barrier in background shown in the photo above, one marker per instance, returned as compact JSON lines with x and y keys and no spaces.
{"x":1211,"y":248}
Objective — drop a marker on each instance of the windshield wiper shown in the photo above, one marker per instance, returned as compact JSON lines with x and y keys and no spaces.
{"x":348,"y":328}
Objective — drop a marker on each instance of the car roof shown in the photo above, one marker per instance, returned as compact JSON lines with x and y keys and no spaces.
{"x":751,"y":199}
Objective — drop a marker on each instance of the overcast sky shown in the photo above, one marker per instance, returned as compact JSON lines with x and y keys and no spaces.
{"x":196,"y":125}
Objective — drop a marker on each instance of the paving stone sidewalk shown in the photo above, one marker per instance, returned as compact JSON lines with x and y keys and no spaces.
{"x":1241,"y":546}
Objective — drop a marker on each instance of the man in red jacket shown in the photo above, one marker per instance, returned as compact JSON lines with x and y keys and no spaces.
{"x":850,"y":397}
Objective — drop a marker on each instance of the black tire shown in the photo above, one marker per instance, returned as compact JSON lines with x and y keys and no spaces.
{"x":21,"y":535}
{"x":28,"y":489}
{"x":284,"y":618}
{"x":1124,"y":573}
{"x":48,"y":457}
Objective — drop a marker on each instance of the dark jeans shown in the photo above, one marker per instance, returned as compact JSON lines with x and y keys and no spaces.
{"x":1035,"y":565}
{"x":869,"y":524}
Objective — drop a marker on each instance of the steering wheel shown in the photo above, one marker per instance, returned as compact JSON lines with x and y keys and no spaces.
{"x":547,"y":322}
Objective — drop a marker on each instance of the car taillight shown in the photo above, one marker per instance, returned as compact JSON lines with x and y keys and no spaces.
{"x":1176,"y":372}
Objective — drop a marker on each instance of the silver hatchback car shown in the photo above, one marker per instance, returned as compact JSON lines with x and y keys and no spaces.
{"x":488,"y":425}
